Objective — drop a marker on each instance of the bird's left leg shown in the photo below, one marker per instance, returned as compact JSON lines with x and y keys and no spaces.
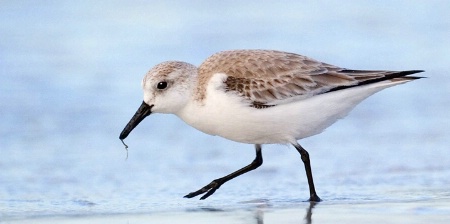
{"x":305,"y":158}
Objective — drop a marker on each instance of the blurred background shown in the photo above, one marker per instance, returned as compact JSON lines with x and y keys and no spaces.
{"x":70,"y":76}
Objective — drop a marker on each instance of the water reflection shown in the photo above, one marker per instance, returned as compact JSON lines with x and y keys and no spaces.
{"x":308,"y":216}
{"x":259,"y":214}
{"x":260,"y":210}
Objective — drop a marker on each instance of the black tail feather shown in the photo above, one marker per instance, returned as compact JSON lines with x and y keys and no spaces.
{"x":390,"y":75}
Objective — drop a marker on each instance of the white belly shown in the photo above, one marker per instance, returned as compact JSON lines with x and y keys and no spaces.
{"x":226,"y":115}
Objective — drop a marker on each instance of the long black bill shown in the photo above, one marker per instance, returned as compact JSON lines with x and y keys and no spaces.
{"x":143,"y":111}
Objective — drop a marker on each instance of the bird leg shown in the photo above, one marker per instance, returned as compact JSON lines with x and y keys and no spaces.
{"x":305,"y":158}
{"x":215,"y":184}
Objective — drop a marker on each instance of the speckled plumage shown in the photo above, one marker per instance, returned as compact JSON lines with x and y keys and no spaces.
{"x":266,"y":76}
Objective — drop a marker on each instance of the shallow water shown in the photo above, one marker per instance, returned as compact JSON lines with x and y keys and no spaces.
{"x":70,"y":81}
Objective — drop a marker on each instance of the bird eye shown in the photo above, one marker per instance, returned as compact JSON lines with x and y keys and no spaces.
{"x":161,"y":85}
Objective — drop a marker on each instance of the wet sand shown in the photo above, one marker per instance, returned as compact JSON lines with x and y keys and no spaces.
{"x":436,"y":211}
{"x":70,"y":80}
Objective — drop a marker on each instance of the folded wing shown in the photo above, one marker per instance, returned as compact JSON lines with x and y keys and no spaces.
{"x":267,"y":78}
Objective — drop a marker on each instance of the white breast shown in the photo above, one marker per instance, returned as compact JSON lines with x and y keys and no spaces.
{"x":228,"y":115}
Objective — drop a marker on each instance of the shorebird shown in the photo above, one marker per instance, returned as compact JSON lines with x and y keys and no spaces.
{"x":259,"y":97}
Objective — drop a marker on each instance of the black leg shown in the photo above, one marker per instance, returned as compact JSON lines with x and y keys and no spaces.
{"x":215,"y":184}
{"x":305,"y":158}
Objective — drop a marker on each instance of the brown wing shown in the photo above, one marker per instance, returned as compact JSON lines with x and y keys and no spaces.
{"x":267,"y":77}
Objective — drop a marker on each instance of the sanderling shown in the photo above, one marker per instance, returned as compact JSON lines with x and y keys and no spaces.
{"x":259,"y":97}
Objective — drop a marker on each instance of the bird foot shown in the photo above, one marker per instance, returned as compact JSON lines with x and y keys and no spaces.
{"x":314,"y":198}
{"x":208,"y":189}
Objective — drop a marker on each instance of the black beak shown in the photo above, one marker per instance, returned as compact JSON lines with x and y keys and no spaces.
{"x":143,"y":111}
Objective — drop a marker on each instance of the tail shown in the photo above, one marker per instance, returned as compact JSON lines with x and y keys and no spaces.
{"x":394,"y":76}
{"x":404,"y":76}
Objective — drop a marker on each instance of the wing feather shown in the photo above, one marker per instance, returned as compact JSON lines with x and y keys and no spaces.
{"x":266,"y":78}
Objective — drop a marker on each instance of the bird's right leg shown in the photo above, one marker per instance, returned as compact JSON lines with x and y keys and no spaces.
{"x":215,"y":184}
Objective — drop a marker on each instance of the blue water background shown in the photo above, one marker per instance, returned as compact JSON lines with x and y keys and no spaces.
{"x":70,"y":77}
